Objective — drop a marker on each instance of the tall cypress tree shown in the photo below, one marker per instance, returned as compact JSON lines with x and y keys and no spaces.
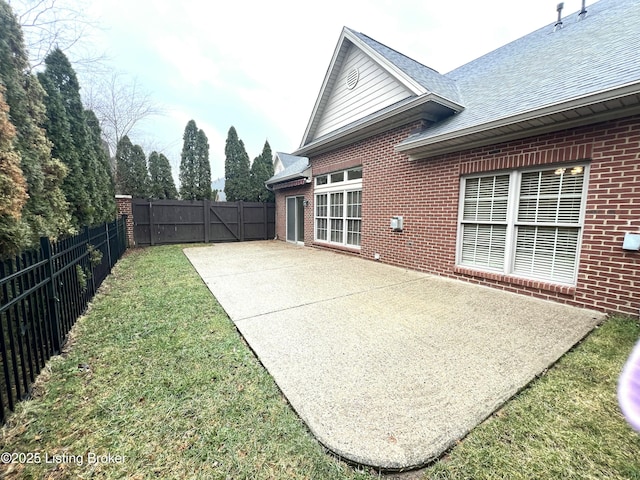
{"x":161,"y":184}
{"x":261,"y":171}
{"x":140,"y":172}
{"x":236,"y":169}
{"x":58,"y":130}
{"x":46,"y":211}
{"x":67,"y":130}
{"x":105,"y":203}
{"x":123,"y":166}
{"x":13,"y":188}
{"x":131,"y":169}
{"x":188,"y":167}
{"x":203,"y":167}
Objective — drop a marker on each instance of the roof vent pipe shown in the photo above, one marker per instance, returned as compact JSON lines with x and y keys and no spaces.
{"x":558,"y":24}
{"x":583,"y":12}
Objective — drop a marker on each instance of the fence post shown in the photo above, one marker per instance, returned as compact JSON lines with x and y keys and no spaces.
{"x":241,"y":220}
{"x":106,"y":231}
{"x":52,"y":300}
{"x":266,"y":224}
{"x":206,"y":205}
{"x":87,"y":236}
{"x":152,"y":241}
{"x":122,"y":227}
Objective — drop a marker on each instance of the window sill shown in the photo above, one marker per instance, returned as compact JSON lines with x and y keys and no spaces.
{"x":523,"y":282}
{"x":334,"y":246}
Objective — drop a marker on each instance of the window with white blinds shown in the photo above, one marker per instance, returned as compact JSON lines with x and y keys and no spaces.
{"x":524,"y":223}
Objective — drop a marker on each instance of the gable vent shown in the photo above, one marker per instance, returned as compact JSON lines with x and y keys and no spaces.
{"x":352,"y":78}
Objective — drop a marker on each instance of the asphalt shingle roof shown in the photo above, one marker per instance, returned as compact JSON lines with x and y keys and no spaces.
{"x":544,"y":68}
{"x":287,"y":159}
{"x":295,"y":169}
{"x":427,"y":77}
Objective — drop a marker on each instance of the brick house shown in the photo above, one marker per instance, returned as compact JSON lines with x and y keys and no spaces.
{"x":519,"y":170}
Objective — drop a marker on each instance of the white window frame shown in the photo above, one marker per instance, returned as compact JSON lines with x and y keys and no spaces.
{"x":512,"y":223}
{"x":343,"y":187}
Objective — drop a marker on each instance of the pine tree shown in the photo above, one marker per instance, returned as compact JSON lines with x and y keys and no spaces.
{"x":161,"y":183}
{"x":203,"y":167}
{"x":105,"y":189}
{"x":188,"y":162}
{"x":58,"y":130}
{"x":261,"y":171}
{"x":123,"y":166}
{"x":46,"y":211}
{"x":67,"y":129}
{"x":195,"y":169}
{"x":13,"y":188}
{"x":131,"y":169}
{"x":236,"y":169}
{"x":140,"y":172}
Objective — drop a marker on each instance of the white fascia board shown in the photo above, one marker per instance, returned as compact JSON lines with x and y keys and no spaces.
{"x":422,"y":146}
{"x":338,"y":53}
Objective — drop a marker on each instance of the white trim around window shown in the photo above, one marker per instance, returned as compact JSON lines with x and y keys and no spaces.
{"x":525,"y":223}
{"x":338,"y":208}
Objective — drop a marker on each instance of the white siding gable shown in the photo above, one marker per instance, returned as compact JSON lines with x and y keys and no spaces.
{"x":375,"y":90}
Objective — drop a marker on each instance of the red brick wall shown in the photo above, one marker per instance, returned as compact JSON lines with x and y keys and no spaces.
{"x":123,"y":202}
{"x":426,"y":194}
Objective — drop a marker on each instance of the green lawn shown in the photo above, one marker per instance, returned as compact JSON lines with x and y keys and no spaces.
{"x":157,"y":373}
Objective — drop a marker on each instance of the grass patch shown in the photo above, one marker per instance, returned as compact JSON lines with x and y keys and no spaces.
{"x":156,"y":372}
{"x":566,"y":424}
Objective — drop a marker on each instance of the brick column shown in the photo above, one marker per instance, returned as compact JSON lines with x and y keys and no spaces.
{"x":125,"y":208}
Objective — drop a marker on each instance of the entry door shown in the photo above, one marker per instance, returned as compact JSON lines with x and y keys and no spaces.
{"x":295,"y":219}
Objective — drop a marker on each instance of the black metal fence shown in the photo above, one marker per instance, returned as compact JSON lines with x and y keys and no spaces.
{"x":42,"y":294}
{"x":161,"y":222}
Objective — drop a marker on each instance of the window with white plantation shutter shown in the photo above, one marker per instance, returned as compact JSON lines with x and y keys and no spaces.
{"x":484,"y":221}
{"x":525,"y":223}
{"x":547,"y":228}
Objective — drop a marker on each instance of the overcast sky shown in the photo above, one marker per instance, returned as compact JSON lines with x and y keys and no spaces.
{"x":259,"y":65}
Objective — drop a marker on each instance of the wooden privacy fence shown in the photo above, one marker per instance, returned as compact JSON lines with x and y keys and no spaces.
{"x":161,"y":222}
{"x":42,"y":294}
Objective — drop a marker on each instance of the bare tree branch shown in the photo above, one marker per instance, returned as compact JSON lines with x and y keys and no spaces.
{"x":120,"y":104}
{"x":50,"y":24}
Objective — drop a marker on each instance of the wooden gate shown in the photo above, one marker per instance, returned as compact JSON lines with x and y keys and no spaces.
{"x":162,"y":222}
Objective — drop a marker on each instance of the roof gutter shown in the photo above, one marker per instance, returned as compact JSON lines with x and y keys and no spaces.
{"x":305,"y":174}
{"x":444,"y":143}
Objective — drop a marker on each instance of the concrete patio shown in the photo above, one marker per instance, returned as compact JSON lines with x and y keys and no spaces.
{"x":388,"y":367}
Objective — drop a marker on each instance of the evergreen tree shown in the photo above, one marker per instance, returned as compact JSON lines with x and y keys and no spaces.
{"x":236,"y":169}
{"x":203,"y":167}
{"x":123,"y":166}
{"x":161,"y":183}
{"x":195,"y":169}
{"x":131,"y":169}
{"x":140,"y":173}
{"x":46,"y":211}
{"x":58,"y":130}
{"x":261,"y":171}
{"x":106,"y":209}
{"x":67,"y":129}
{"x":188,"y":162}
{"x":13,"y":188}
